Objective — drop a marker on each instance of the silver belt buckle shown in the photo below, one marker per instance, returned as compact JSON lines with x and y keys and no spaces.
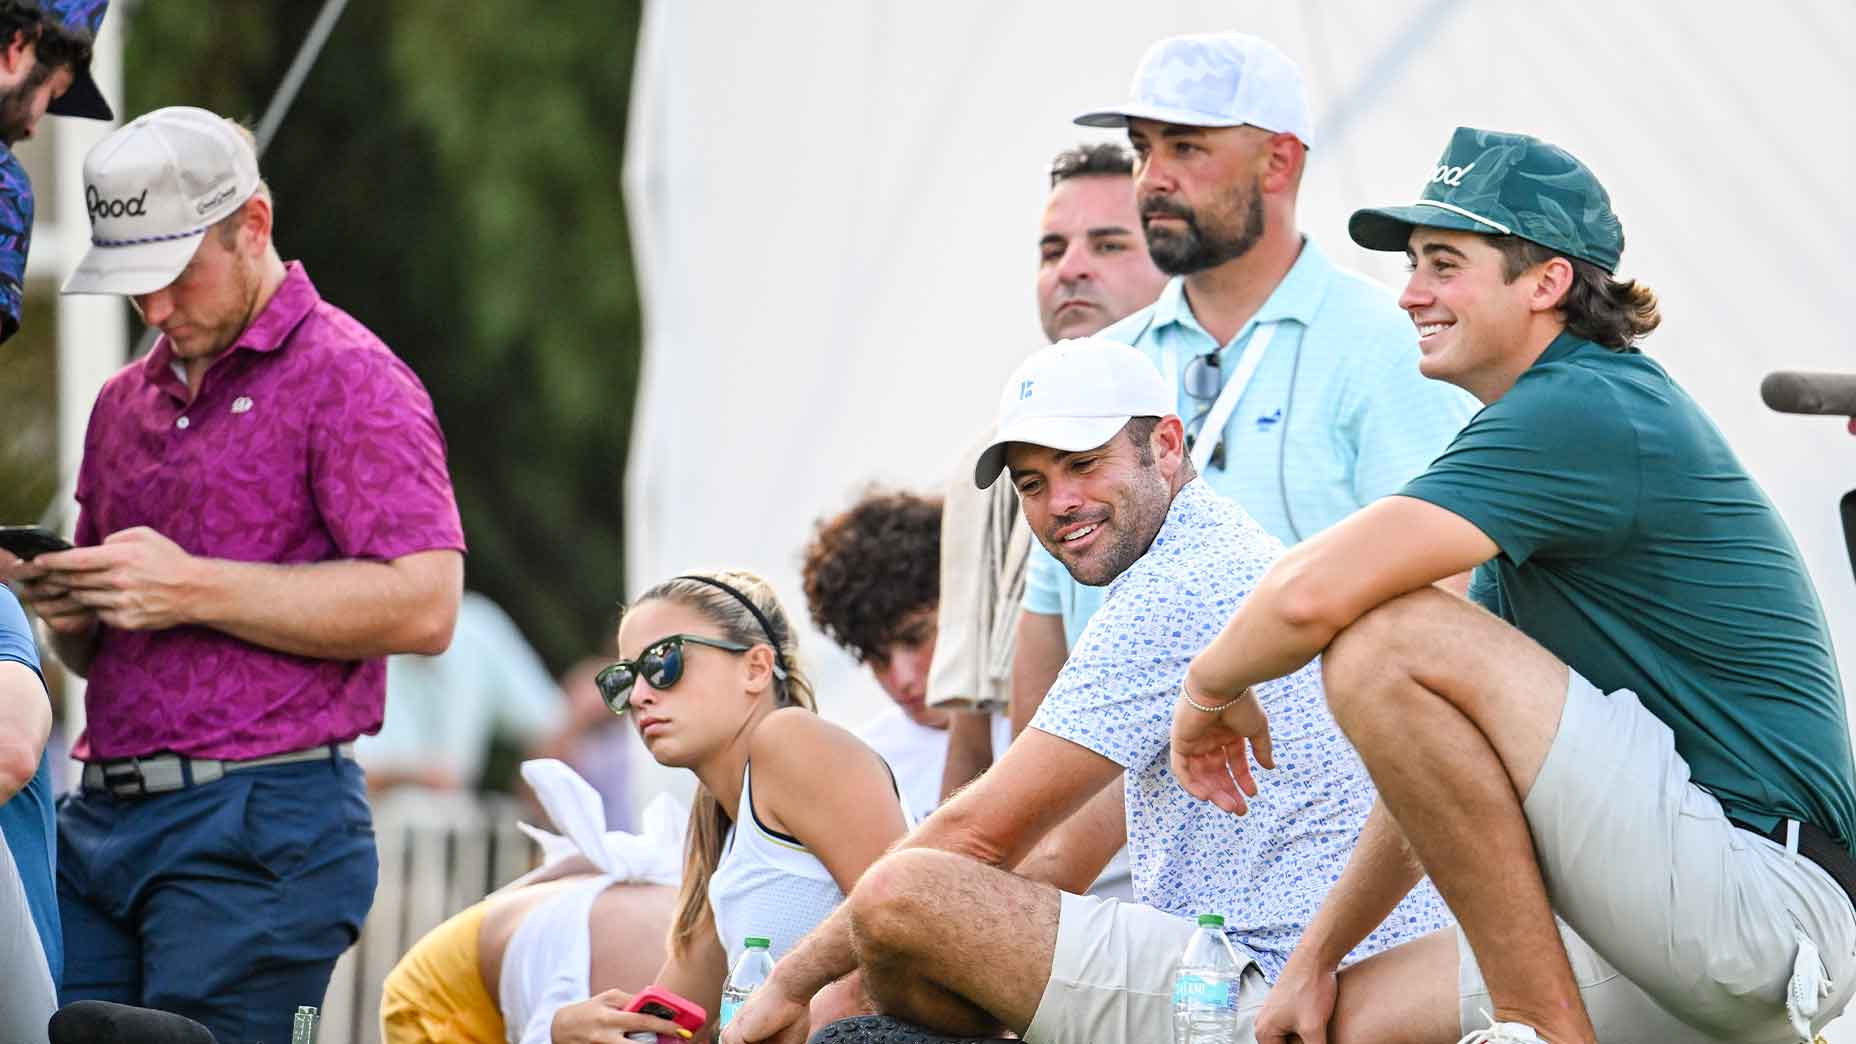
{"x":124,"y":778}
{"x":145,"y":776}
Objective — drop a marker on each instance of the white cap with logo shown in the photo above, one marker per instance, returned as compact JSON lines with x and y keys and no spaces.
{"x":1074,"y":395}
{"x":1215,"y":80}
{"x":153,"y":188}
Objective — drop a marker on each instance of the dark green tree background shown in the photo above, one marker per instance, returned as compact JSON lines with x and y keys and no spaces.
{"x":450,"y":176}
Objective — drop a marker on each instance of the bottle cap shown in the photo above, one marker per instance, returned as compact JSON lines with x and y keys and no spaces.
{"x":1211,"y":920}
{"x":755,"y":942}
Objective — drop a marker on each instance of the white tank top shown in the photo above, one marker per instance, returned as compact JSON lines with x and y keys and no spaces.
{"x":767,"y":883}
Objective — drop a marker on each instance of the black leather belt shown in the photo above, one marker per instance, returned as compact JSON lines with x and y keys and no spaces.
{"x":1817,"y":846}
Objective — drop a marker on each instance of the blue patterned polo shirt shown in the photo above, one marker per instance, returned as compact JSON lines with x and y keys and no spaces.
{"x":15,"y":238}
{"x":1268,"y":871}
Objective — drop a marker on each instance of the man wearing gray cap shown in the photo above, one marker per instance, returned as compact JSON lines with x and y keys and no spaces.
{"x":265,"y":513}
{"x":1637,"y":732}
{"x":946,"y":935}
{"x":1297,"y":380}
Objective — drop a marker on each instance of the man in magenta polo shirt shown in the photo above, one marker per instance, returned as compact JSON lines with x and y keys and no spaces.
{"x":266,"y":513}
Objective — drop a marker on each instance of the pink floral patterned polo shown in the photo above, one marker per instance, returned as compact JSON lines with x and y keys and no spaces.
{"x":308,"y":441}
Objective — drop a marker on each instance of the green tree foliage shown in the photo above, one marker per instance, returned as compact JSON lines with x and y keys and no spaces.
{"x":29,"y":447}
{"x":450,"y":176}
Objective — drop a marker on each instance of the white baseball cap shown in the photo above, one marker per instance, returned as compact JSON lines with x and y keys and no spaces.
{"x":1074,"y":395}
{"x":153,"y":188}
{"x":1215,"y":80}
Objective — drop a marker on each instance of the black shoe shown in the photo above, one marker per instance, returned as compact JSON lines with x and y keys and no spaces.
{"x":101,"y":1022}
{"x":881,"y":1029}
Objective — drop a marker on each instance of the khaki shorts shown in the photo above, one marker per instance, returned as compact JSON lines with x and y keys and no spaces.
{"x":1111,"y":978}
{"x":1674,"y":913}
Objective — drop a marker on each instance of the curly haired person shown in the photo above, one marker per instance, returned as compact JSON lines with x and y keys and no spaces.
{"x":872,"y":583}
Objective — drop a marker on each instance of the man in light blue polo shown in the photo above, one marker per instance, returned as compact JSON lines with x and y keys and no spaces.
{"x":1298,"y":380}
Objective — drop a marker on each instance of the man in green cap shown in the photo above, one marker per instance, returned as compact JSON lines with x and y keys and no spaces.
{"x":1626,"y":766}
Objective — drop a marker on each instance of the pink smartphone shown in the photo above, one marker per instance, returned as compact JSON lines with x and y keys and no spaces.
{"x":660,"y":1002}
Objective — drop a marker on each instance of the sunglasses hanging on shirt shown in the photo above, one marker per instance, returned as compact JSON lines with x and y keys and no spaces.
{"x":1203,"y":379}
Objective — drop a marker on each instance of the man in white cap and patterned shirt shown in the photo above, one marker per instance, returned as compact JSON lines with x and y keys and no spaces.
{"x":1297,"y":380}
{"x":265,"y":514}
{"x":946,"y":935}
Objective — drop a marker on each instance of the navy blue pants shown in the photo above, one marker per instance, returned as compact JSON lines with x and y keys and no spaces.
{"x":227,"y":902}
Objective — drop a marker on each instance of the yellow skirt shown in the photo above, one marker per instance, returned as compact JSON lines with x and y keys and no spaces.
{"x":436,"y":993}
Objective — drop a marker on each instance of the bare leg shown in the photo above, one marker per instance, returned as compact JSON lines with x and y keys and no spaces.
{"x":1405,"y":995}
{"x":1453,"y":712}
{"x":953,"y":944}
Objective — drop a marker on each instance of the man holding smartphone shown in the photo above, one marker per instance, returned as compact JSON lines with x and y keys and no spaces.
{"x":265,"y":514}
{"x":44,"y":68}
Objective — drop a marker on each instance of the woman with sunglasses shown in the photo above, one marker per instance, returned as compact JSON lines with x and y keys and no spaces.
{"x":789,"y":808}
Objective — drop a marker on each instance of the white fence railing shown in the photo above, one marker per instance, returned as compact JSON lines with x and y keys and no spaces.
{"x":439,"y":853}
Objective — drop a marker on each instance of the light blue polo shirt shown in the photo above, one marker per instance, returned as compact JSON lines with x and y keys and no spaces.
{"x":1335,"y":417}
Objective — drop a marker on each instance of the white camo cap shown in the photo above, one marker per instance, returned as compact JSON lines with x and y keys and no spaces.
{"x":1074,"y":395}
{"x":153,"y":188}
{"x":1215,"y":80}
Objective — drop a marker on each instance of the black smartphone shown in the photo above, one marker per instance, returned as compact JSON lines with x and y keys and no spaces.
{"x":28,"y":541}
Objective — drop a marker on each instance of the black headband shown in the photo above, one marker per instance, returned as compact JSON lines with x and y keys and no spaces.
{"x":779,"y":658}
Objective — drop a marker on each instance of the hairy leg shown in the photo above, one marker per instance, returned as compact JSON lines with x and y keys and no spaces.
{"x":1453,"y":712}
{"x":952,"y":943}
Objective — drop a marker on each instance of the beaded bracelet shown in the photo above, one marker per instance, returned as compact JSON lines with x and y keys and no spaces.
{"x":1196,"y":705}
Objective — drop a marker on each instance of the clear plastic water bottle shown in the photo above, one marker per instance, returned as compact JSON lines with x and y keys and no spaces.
{"x":1205,"y":991}
{"x":752,"y":967}
{"x":304,"y":1026}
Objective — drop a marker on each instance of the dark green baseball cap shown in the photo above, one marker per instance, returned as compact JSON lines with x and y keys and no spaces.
{"x":1497,"y":183}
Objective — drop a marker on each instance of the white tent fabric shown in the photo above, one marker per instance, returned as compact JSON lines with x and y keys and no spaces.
{"x":836,"y":203}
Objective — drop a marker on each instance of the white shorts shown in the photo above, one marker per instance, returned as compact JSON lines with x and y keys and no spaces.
{"x":1111,"y":978}
{"x":1676,"y":911}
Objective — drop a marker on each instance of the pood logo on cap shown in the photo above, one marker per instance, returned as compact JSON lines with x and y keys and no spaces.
{"x":129,"y":206}
{"x":1451,"y":176}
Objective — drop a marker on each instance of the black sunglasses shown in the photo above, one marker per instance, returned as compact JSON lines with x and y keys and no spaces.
{"x":1203,"y":377}
{"x":1203,"y":381}
{"x":660,"y":665}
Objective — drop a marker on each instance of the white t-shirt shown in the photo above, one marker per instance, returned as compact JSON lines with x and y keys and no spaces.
{"x":917,"y":754}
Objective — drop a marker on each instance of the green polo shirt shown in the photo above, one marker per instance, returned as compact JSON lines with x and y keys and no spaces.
{"x":1637,"y":549}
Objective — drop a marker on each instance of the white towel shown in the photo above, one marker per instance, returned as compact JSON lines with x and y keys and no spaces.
{"x":656,"y":855}
{"x":546,"y":964}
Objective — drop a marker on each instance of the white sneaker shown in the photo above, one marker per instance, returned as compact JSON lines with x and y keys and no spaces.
{"x":1503,"y":1033}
